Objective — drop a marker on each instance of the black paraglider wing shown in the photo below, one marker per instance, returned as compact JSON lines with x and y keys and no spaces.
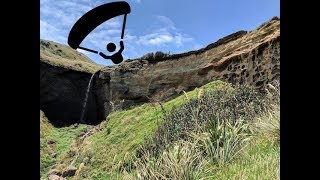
{"x":93,"y":18}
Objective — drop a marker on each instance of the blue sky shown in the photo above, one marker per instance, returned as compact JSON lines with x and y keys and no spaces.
{"x":173,"y":26}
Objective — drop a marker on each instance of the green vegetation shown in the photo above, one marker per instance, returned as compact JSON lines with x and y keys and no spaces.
{"x":56,"y":143}
{"x":216,"y":106}
{"x":45,"y":130}
{"x":261,"y":158}
{"x":204,"y":138}
{"x":64,"y":56}
{"x":215,"y":131}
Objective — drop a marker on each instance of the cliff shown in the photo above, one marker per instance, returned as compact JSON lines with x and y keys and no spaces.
{"x":241,"y":58}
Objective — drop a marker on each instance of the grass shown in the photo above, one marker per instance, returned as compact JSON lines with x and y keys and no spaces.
{"x":61,"y":143}
{"x":45,"y":130}
{"x":258,"y":158}
{"x":182,"y":161}
{"x":123,"y":133}
{"x":126,"y":131}
{"x":216,"y":106}
{"x":64,"y":56}
{"x":261,"y":158}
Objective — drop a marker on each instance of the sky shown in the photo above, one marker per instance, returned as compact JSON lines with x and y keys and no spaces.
{"x":170,"y":26}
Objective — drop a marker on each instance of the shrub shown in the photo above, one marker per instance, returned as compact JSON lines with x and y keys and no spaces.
{"x":220,"y":144}
{"x":241,"y":102}
{"x":268,"y":125}
{"x":154,"y":56}
{"x":183,"y":161}
{"x":223,"y":140}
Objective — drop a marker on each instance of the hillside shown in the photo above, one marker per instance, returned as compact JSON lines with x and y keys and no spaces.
{"x":212,"y":113}
{"x":105,"y":148}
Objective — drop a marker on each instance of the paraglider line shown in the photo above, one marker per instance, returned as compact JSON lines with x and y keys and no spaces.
{"x":124,"y":25}
{"x":90,"y":50}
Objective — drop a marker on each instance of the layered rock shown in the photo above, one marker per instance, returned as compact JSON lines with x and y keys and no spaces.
{"x":240,"y":58}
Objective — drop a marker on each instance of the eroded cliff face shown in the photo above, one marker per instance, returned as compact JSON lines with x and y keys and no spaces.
{"x":240,"y":58}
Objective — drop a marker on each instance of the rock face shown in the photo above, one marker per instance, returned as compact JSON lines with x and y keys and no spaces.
{"x":240,"y":58}
{"x":62,"y":92}
{"x":62,"y":89}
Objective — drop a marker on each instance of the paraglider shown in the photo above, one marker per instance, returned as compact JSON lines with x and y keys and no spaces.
{"x":116,"y":57}
{"x":92,"y":19}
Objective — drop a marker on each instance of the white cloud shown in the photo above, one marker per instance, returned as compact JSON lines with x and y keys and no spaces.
{"x":160,"y":39}
{"x":50,"y":32}
{"x":57,"y":18}
{"x":163,"y":39}
{"x":166,"y":35}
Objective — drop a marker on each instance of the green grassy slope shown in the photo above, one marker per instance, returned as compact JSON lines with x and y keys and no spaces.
{"x":55,"y":141}
{"x":125,"y":131}
{"x":261,"y":158}
{"x":64,"y":56}
{"x":260,"y":161}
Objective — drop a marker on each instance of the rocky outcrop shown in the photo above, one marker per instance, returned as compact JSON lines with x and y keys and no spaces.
{"x":240,"y":58}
